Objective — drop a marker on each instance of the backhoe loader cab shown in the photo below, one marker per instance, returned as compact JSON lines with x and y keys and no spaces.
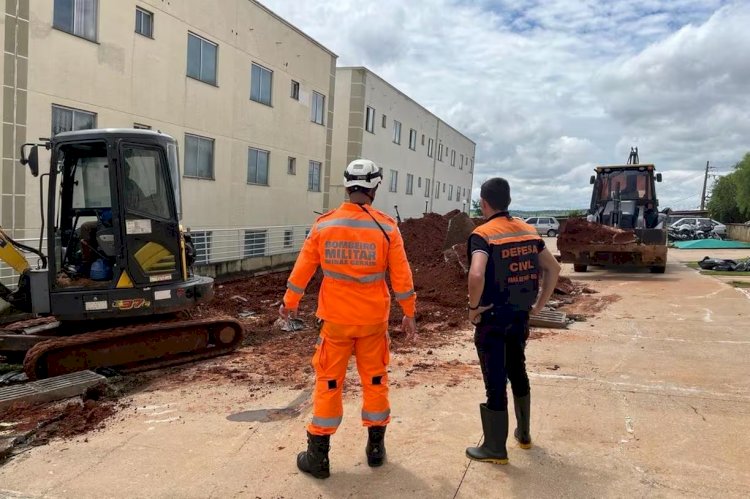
{"x":114,"y":242}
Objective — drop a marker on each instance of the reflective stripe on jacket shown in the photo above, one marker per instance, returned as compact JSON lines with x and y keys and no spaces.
{"x":354,"y":255}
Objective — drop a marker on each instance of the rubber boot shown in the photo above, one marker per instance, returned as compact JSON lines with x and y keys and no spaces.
{"x":523,"y":418}
{"x":375,"y":449}
{"x":315,"y":459}
{"x":495,"y":426}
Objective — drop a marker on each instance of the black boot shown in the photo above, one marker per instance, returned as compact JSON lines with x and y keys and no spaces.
{"x":375,"y":446}
{"x":495,"y":426}
{"x":315,"y":459}
{"x":523,"y":418}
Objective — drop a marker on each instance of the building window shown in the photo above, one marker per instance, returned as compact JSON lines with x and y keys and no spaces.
{"x":261,"y":80}
{"x":66,"y":119}
{"x":461,"y":164}
{"x":291,"y":166}
{"x":413,"y":139}
{"x":453,"y":157}
{"x":318,"y":107}
{"x":422,"y":139}
{"x":255,"y":243}
{"x":201,"y":60}
{"x":370,"y":120}
{"x":385,"y":121}
{"x":430,"y":144}
{"x":144,"y":22}
{"x":295,"y":90}
{"x":141,"y":126}
{"x":77,"y":17}
{"x":458,"y":193}
{"x":313,"y":177}
{"x":199,"y":157}
{"x":409,"y":183}
{"x":450,"y":192}
{"x":440,"y":152}
{"x":419,"y":183}
{"x":396,"y":132}
{"x":202,"y":244}
{"x":394,"y":181}
{"x":471,"y":165}
{"x":444,"y":185}
{"x":288,"y":238}
{"x":257,"y":166}
{"x":427,"y":187}
{"x":437,"y":190}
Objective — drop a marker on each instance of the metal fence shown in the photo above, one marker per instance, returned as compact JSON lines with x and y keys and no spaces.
{"x":213,"y":245}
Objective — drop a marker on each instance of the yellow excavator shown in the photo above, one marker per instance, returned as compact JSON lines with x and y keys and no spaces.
{"x":117,"y":270}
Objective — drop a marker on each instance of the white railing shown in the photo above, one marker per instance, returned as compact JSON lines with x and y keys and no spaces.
{"x":213,"y":245}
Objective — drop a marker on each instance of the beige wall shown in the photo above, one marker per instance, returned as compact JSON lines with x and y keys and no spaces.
{"x":127,"y":78}
{"x":354,"y":141}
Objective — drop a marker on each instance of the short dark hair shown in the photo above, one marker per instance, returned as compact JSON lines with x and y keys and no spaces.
{"x":496,"y":192}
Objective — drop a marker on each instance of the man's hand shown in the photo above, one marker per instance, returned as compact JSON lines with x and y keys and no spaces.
{"x":286,"y":313}
{"x":475,"y":315}
{"x":409,"y":326}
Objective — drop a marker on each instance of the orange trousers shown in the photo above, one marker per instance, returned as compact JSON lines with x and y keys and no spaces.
{"x":370,"y":345}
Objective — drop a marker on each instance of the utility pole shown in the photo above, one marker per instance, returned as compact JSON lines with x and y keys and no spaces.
{"x":705,"y":183}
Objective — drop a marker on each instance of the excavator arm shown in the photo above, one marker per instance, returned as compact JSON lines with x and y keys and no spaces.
{"x":11,"y":255}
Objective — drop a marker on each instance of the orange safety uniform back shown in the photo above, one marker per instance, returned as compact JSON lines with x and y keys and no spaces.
{"x":512,"y":273}
{"x":354,"y":249}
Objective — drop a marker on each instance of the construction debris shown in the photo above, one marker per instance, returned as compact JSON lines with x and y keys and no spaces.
{"x":50,"y":389}
{"x":580,"y":231}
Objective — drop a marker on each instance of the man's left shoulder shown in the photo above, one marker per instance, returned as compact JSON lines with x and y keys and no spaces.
{"x":385,"y":216}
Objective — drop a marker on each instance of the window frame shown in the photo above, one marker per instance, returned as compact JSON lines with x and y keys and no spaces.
{"x":396,"y":132}
{"x":316,"y":109}
{"x":203,"y":40}
{"x":148,"y":13}
{"x":370,"y":119}
{"x":384,"y":121}
{"x":440,"y":152}
{"x":427,"y":187}
{"x":291,"y":165}
{"x":294,"y":92}
{"x":213,"y":157}
{"x":73,"y":110}
{"x":311,"y":177}
{"x":430,"y":148}
{"x":393,"y":181}
{"x":410,"y":184}
{"x":453,"y":157}
{"x":412,"y":139}
{"x":437,"y":189}
{"x":257,"y":151}
{"x":59,"y":27}
{"x":262,"y":71}
{"x":461,"y":164}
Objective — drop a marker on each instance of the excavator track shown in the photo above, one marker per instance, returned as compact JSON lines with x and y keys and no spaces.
{"x":135,"y":347}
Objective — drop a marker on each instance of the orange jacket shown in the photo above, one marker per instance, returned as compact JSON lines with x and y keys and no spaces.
{"x":354,"y":255}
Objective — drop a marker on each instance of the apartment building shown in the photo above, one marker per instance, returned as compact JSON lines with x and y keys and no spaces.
{"x":428,"y":165}
{"x":247,"y":96}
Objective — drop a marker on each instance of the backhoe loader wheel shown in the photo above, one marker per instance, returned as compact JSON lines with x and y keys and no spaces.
{"x":580,"y":267}
{"x":658,"y":269}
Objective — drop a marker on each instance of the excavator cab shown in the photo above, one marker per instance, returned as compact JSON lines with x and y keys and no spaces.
{"x":114,"y":243}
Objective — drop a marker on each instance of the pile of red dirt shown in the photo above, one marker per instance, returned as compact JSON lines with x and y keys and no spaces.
{"x":580,"y":231}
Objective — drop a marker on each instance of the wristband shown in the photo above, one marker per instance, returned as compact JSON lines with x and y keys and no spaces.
{"x":474,"y":308}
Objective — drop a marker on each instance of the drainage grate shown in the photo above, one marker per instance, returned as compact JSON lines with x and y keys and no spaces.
{"x":47,"y":390}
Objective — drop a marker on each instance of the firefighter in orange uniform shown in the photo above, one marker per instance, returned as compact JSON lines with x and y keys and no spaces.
{"x":355,"y":246}
{"x":511,"y":275}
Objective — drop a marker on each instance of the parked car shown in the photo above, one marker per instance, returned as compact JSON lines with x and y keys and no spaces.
{"x":546,"y":226}
{"x":718,"y":228}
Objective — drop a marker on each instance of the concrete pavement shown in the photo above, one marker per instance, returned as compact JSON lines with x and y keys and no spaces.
{"x":650,"y":398}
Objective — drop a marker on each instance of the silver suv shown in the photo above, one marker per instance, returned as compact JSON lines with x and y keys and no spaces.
{"x":546,"y":226}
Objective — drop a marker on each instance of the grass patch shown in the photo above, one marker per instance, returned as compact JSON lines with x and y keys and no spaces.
{"x":740,"y":284}
{"x":6,"y":368}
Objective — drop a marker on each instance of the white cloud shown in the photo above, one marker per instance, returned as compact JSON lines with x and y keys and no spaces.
{"x":550,"y":89}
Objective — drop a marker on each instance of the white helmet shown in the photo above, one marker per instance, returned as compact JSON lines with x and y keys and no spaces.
{"x":362,"y":173}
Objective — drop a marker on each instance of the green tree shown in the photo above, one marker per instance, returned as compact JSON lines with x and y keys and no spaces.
{"x":576,"y":213}
{"x":476,"y":210}
{"x":723,"y":205}
{"x":741,"y":177}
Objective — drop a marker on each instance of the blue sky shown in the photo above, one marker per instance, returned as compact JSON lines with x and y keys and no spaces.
{"x":550,"y":88}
